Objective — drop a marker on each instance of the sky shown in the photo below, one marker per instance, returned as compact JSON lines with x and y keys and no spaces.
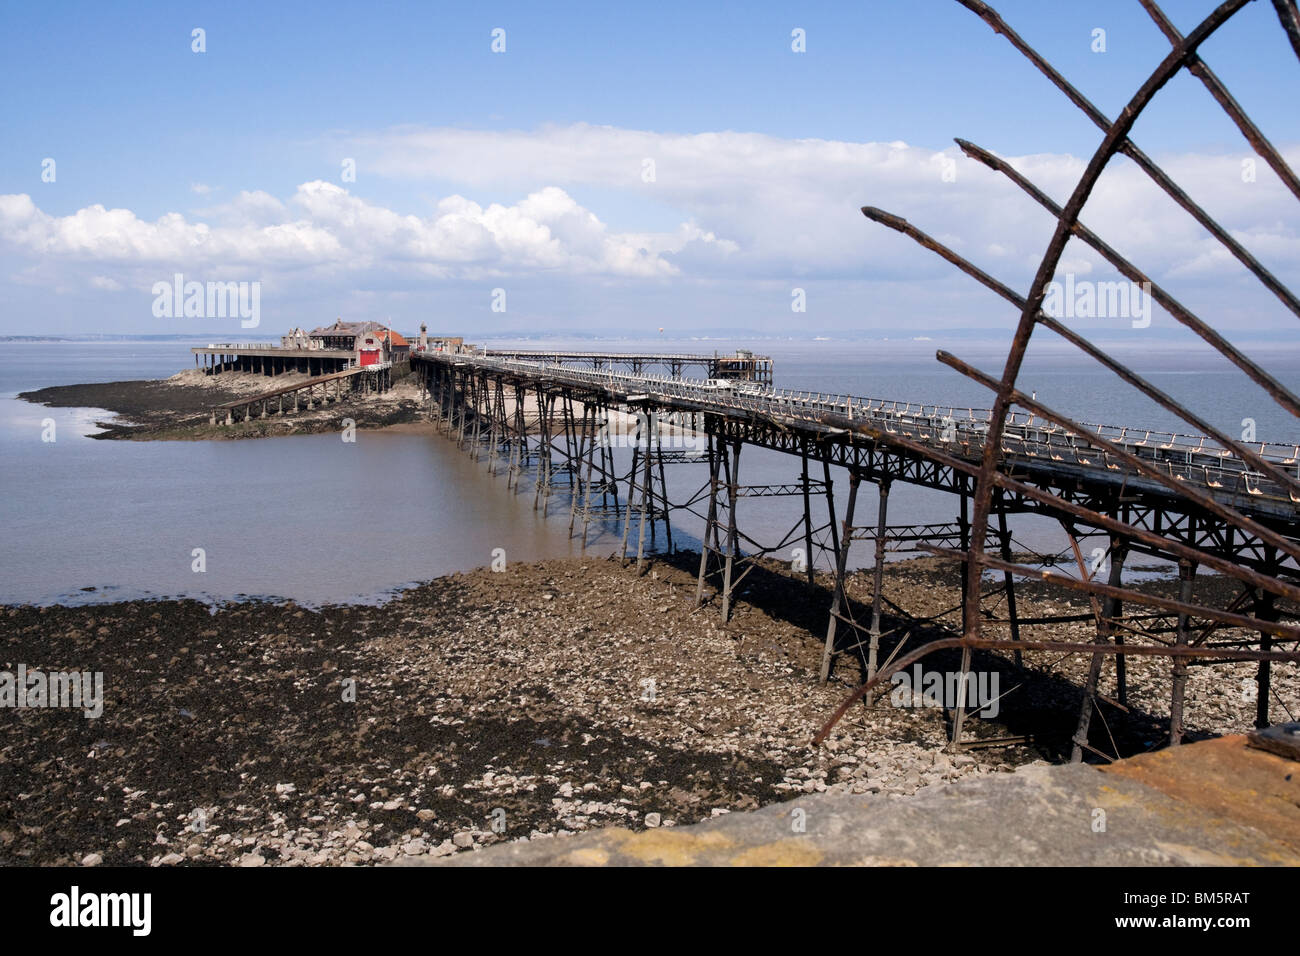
{"x":612,"y":169}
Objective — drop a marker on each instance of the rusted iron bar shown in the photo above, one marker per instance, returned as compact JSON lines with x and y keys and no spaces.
{"x":1116,"y":137}
{"x":1130,"y":149}
{"x":1201,"y":70}
{"x":1151,"y":391}
{"x":1127,"y":594}
{"x":1289,"y":17}
{"x":1167,"y":302}
{"x":1226,"y":512}
{"x":1007,"y":483}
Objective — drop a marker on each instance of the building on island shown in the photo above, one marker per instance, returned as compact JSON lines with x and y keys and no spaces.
{"x":330,"y":348}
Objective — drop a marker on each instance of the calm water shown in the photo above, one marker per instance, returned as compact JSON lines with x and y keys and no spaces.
{"x":315,"y":519}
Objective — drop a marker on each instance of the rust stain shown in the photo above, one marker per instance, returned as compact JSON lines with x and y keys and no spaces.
{"x":793,"y":852}
{"x":1229,"y":780}
{"x":670,"y":847}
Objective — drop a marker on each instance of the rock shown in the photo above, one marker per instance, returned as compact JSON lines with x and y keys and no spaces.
{"x":424,"y":816}
{"x":285,"y":788}
{"x":653,"y":819}
{"x":171,"y":859}
{"x":92,"y":859}
{"x":463,"y":840}
{"x":252,"y":859}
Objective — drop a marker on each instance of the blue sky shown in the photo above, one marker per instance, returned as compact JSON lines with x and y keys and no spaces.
{"x":742,"y":208}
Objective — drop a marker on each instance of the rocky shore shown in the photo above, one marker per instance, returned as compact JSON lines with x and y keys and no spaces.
{"x":179,"y":408}
{"x":486,"y":707}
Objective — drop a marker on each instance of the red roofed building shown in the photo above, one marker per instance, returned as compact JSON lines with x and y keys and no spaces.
{"x":399,"y":350}
{"x":373,"y":343}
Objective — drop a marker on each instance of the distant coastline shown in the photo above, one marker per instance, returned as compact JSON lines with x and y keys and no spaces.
{"x":994,"y":339}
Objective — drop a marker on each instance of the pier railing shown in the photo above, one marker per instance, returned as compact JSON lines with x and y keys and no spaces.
{"x":955,"y":430}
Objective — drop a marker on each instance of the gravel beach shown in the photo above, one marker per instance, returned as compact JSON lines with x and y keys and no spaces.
{"x":544,"y":699}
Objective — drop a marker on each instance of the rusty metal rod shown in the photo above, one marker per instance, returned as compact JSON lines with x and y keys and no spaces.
{"x":1007,"y":483}
{"x":1116,"y":136}
{"x":1095,"y":588}
{"x":1176,"y":309}
{"x":1227,"y":513}
{"x":1201,"y":70}
{"x":1289,"y":17}
{"x":1151,"y":391}
{"x":1130,"y":149}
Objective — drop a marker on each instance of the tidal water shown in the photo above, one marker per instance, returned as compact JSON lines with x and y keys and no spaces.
{"x":319,"y":520}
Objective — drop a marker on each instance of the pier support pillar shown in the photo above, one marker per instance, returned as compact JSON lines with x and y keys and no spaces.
{"x":711,"y":523}
{"x":873,"y":647}
{"x":1111,"y":609}
{"x":969,"y":625}
{"x":1008,"y":579}
{"x":733,"y":538}
{"x":807,"y":509}
{"x":1177,"y":696}
{"x":839,"y":598}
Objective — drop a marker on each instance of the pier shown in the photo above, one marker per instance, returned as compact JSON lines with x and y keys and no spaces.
{"x":1204,"y":501}
{"x":270,"y":360}
{"x":1183,"y":498}
{"x":320,"y":389}
{"x":741,"y":365}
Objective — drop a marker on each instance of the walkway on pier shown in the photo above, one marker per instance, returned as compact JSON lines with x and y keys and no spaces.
{"x":1029,"y":441}
{"x":741,"y":365}
{"x":322,"y":388}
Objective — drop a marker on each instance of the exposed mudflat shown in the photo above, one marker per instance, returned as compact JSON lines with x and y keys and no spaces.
{"x":546,"y":698}
{"x":179,"y":408}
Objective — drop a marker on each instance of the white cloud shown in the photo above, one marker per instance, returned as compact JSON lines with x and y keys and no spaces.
{"x":324,"y":226}
{"x":790,"y":206}
{"x":722,"y":206}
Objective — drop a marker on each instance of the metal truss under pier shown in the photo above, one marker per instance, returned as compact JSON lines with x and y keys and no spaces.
{"x":1165,"y":495}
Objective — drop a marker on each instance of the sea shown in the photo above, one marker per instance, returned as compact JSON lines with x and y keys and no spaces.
{"x":317,"y":520}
